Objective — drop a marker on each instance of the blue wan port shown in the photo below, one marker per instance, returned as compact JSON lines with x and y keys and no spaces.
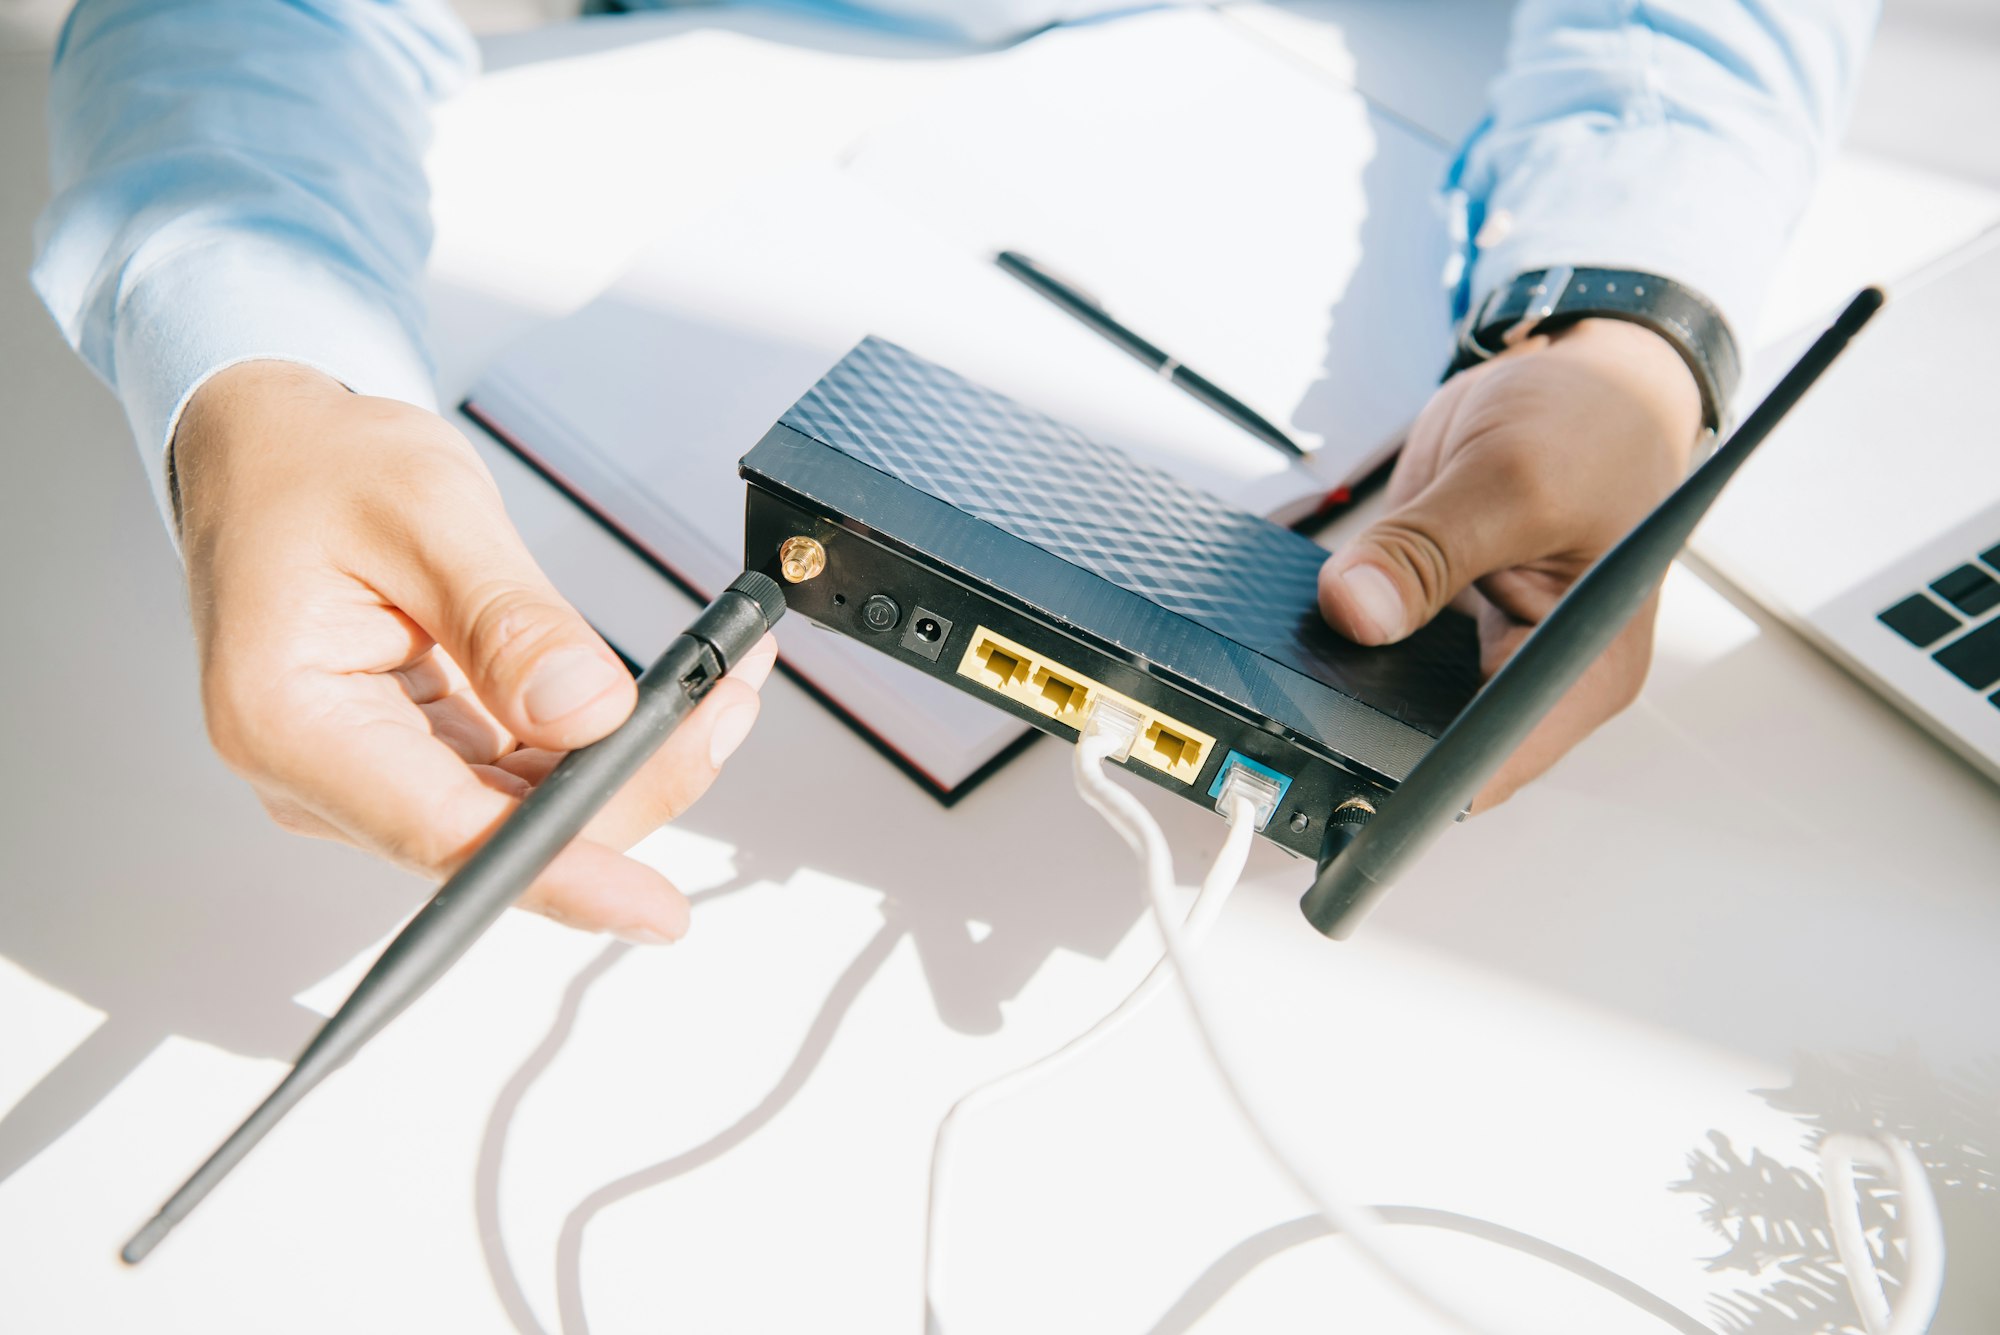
{"x":1235,"y":759}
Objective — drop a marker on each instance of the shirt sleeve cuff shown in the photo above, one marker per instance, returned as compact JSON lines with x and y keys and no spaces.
{"x":1667,"y":198}
{"x":239,"y":299}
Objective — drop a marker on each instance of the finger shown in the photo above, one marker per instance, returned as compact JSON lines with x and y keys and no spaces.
{"x":439,"y":689}
{"x":1607,"y":686}
{"x":593,"y":889}
{"x":463,"y":724}
{"x":378,"y":777}
{"x":1486,"y":510}
{"x":429,"y":677}
{"x":460,"y":571}
{"x":755,"y":667}
{"x":673,"y":779}
{"x":590,"y":887}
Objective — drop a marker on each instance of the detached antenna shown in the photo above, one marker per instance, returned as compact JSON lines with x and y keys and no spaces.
{"x":1361,"y":862}
{"x":500,"y":870}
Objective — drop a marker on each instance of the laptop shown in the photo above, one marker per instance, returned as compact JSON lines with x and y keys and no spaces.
{"x":1870,"y":522}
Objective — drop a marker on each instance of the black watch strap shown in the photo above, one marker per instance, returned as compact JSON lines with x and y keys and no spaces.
{"x":1545,"y":300}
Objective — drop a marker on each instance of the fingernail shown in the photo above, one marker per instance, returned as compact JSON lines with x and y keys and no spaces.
{"x":1381,"y":606}
{"x":730,"y":730}
{"x":565,"y":682}
{"x":643,"y":936}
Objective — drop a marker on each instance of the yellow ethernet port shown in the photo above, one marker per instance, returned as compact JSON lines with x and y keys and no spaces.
{"x":1169,"y":746}
{"x":992,"y":666}
{"x":1007,"y":668}
{"x":1061,"y":697}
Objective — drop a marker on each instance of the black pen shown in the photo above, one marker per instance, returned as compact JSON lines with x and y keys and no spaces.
{"x":1085,"y":308}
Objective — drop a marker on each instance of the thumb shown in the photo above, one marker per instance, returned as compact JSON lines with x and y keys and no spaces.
{"x":1476,"y":517}
{"x":536,"y":665}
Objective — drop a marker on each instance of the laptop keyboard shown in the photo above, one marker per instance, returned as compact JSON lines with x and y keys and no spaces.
{"x":1950,"y":619}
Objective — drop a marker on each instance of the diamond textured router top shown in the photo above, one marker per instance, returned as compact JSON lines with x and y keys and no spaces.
{"x":1047,"y":483}
{"x":1159,"y":572}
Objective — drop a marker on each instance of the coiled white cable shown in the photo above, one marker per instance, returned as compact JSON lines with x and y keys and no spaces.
{"x":1923,"y":1230}
{"x":1214,"y":893}
{"x":1110,"y":732}
{"x":1360,"y":1224}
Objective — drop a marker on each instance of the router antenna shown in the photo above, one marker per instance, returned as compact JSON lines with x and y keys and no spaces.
{"x":497,"y":873}
{"x":1354,"y":875}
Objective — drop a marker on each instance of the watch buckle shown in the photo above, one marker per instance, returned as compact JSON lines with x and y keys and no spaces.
{"x":1543,"y":298}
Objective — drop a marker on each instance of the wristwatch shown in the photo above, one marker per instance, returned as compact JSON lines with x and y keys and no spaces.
{"x":1545,"y":300}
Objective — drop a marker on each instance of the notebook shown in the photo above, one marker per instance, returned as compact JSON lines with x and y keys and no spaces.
{"x":1318,"y":301}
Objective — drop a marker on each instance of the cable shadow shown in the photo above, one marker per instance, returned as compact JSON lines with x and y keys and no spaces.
{"x":493,"y":1144}
{"x":1230,"y":1269}
{"x":569,"y":1247}
{"x":493,"y":1141}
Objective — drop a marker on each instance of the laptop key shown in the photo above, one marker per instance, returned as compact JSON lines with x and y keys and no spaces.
{"x":1969,"y":589}
{"x":1991,"y":556}
{"x":1919,"y":620}
{"x":1975,"y":658}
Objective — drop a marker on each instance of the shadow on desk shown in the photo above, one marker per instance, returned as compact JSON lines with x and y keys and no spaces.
{"x":1766,"y":1208}
{"x":218,"y":963}
{"x":139,"y":876}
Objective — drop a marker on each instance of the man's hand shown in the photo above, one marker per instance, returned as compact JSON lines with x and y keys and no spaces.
{"x":383,"y":661}
{"x":1517,"y":475}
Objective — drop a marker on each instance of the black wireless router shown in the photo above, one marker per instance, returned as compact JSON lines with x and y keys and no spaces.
{"x":994,"y":548}
{"x":1008,"y":554}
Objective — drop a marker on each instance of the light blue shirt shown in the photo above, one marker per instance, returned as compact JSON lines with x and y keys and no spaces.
{"x":241,"y":179}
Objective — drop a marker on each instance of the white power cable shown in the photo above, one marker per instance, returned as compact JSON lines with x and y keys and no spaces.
{"x":1214,"y":893}
{"x":1110,"y":732}
{"x":1361,"y":1225}
{"x":1923,"y":1232}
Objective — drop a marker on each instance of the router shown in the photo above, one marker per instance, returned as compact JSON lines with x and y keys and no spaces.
{"x":999,"y":550}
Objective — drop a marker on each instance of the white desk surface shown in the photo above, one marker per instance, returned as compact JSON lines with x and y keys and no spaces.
{"x":1758,"y":903}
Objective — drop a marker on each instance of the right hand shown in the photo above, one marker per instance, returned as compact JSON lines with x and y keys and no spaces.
{"x":384,"y":662}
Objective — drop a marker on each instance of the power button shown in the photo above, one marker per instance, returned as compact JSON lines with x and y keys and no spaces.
{"x":880,"y":612}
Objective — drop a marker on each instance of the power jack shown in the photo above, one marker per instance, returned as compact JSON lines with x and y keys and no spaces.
{"x":926,"y":634}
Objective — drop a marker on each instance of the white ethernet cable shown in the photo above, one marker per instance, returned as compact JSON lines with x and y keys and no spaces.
{"x":1105,"y":735}
{"x":1109,"y":732}
{"x":1214,"y":893}
{"x":1923,"y":1232}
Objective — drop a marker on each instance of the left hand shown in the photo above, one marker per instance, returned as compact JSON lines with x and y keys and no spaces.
{"x":1517,"y":475}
